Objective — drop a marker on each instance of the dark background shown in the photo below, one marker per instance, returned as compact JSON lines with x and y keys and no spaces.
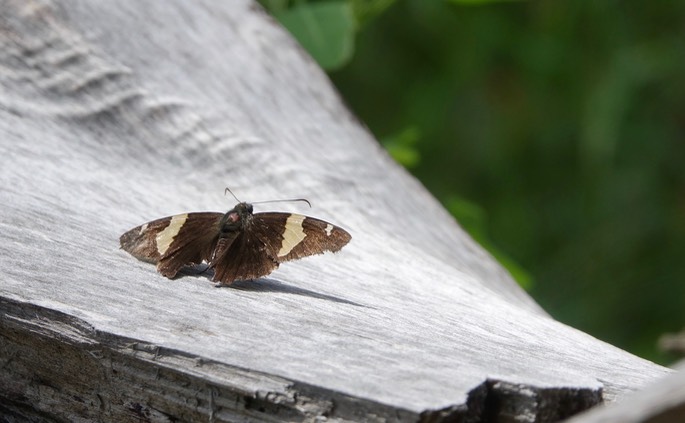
{"x":553,"y":131}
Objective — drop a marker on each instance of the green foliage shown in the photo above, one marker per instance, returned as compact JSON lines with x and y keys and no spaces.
{"x":473,"y":219}
{"x":366,"y":10}
{"x":325,"y":29}
{"x":562,"y":123}
{"x":478,"y":2}
{"x":402,"y":147}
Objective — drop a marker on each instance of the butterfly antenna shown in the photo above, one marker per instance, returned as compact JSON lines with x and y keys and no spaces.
{"x":284,"y":201}
{"x":229,"y":190}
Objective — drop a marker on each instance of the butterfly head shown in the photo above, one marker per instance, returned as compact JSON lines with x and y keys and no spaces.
{"x":234,"y":219}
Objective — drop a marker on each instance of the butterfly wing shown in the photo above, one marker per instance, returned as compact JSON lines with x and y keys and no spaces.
{"x":243,"y":258}
{"x":290,"y":236}
{"x":270,"y":239}
{"x":174,"y":241}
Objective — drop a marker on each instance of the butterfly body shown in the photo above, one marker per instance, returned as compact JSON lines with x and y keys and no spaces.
{"x":237,"y":245}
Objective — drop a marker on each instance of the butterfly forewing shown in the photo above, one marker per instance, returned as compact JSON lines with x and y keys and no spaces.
{"x":175,"y":241}
{"x":290,"y":236}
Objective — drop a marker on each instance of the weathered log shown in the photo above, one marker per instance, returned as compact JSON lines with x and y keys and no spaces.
{"x":116,"y":113}
{"x":660,"y":402}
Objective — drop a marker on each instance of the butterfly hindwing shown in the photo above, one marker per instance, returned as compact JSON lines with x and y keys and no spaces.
{"x":244,"y":258}
{"x":174,"y":241}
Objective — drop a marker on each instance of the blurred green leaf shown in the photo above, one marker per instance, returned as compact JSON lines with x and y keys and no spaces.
{"x":472,"y":218}
{"x":402,"y":147}
{"x":520,"y":275}
{"x":366,"y":10}
{"x":469,"y":215}
{"x":325,"y":29}
{"x":479,"y":2}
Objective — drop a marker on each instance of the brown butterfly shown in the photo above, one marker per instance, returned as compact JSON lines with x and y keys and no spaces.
{"x":237,"y":245}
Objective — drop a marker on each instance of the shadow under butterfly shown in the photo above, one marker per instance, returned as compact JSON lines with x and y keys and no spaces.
{"x":267,"y":285}
{"x":236,"y":245}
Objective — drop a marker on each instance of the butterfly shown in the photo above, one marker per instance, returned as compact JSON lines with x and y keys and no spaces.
{"x":237,"y":245}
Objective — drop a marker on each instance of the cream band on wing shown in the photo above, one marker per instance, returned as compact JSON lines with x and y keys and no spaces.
{"x":166,"y":237}
{"x":293,"y":234}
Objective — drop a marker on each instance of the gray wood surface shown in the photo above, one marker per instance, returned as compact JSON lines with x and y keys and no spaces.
{"x":116,"y":113}
{"x":660,"y":402}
